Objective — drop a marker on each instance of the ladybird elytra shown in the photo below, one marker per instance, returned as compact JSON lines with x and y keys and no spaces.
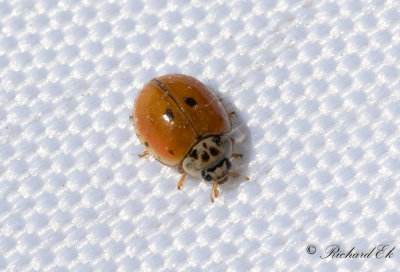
{"x":182,"y":123}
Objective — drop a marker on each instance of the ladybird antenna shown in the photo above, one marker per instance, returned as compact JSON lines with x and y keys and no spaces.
{"x":235,"y":175}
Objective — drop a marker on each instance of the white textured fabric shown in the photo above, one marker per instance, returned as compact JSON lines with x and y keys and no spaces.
{"x":315,"y":85}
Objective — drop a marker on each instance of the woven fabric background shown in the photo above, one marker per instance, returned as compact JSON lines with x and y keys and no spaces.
{"x":315,"y":85}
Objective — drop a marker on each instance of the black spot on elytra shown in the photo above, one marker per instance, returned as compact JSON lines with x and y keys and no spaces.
{"x":194,"y":154}
{"x":146,"y":144}
{"x":204,"y":145}
{"x":169,"y":114}
{"x":171,"y":152}
{"x":214,"y":151}
{"x":204,"y":156}
{"x":217,"y":140}
{"x":190,"y":101}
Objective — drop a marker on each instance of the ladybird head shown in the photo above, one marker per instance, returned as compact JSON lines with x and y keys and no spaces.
{"x":208,"y":159}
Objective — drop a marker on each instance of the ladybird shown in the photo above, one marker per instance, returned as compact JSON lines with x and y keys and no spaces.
{"x":182,"y":124}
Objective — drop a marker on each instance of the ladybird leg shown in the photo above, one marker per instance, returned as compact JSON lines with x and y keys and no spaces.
{"x":235,"y":175}
{"x":235,"y":155}
{"x":214,"y":190}
{"x":145,"y":153}
{"x":180,"y":183}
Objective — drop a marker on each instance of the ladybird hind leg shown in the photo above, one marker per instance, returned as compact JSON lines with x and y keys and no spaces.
{"x":144,"y":154}
{"x":214,"y":191}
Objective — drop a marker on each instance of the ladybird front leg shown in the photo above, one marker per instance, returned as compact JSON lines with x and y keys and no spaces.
{"x":181,"y":170}
{"x":235,"y":175}
{"x":235,"y":155}
{"x":214,"y":190}
{"x":180,"y":183}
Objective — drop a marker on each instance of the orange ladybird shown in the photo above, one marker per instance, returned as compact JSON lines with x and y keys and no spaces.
{"x":181,"y":123}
